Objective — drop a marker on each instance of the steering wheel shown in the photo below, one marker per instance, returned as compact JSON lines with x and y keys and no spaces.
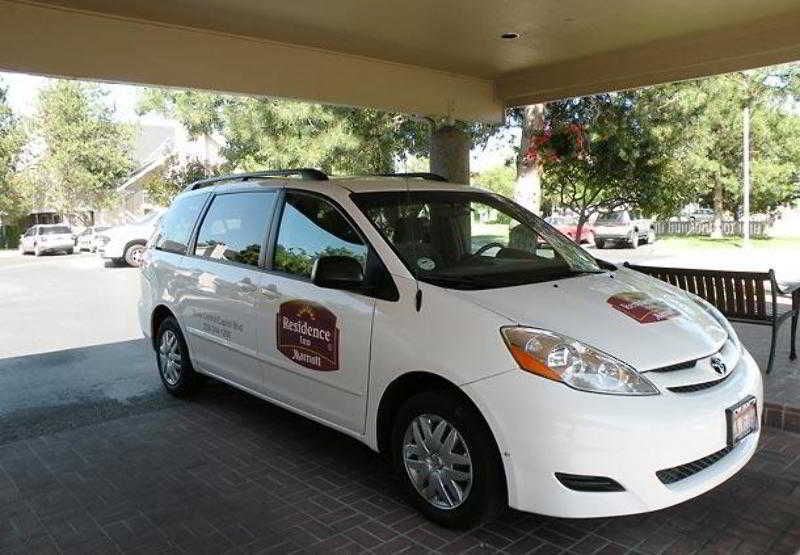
{"x":486,"y":247}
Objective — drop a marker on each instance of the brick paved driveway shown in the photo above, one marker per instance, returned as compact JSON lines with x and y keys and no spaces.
{"x":228,"y":473}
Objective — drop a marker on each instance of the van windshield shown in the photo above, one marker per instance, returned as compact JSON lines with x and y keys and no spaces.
{"x":472,"y":240}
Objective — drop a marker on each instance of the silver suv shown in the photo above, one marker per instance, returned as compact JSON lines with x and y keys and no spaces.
{"x":623,"y":226}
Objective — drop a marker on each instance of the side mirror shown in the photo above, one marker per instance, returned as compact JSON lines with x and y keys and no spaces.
{"x":337,"y":272}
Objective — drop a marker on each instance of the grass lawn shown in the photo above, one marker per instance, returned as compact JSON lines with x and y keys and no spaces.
{"x":699,"y":241}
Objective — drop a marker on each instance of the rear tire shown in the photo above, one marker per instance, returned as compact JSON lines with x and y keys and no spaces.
{"x":172,"y":356}
{"x":634,"y":239}
{"x":133,"y":255}
{"x":459,"y":476}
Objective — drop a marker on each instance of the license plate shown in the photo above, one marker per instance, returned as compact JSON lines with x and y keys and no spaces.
{"x":742,"y":420}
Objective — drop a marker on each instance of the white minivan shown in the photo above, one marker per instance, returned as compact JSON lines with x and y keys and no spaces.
{"x":489,"y":357}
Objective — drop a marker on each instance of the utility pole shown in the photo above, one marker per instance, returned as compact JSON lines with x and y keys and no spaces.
{"x":746,"y":176}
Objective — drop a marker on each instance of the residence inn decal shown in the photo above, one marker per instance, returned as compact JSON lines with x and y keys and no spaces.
{"x":307,"y":334}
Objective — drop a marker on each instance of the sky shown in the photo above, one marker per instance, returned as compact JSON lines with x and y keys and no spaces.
{"x":23,"y":89}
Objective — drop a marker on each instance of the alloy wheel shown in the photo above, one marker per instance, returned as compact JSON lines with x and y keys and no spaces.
{"x":170,"y":361}
{"x":437,"y":461}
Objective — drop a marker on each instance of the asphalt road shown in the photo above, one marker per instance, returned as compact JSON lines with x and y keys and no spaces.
{"x":71,"y":352}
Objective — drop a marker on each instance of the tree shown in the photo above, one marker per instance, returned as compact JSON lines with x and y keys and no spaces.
{"x":268,"y":133}
{"x":499,"y":179}
{"x":12,"y":141}
{"x":162,"y":187}
{"x":611,"y":150}
{"x":714,"y":164}
{"x":528,"y":184}
{"x":84,"y":153}
{"x":263,"y":133}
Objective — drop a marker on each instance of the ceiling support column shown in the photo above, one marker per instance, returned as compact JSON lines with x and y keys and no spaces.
{"x":450,"y":154}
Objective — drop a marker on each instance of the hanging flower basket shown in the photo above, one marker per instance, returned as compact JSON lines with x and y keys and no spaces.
{"x":553,"y":145}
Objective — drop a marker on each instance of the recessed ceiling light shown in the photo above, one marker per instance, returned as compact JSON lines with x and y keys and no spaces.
{"x":509,"y":36}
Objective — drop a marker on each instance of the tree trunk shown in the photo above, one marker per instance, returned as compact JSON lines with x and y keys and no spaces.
{"x":716,"y":232}
{"x":581,"y":222}
{"x":528,"y":186}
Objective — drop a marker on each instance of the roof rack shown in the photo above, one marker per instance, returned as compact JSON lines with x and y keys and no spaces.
{"x":421,"y":175}
{"x":308,"y":174}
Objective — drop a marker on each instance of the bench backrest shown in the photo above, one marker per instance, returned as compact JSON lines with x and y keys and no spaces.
{"x":738,"y":295}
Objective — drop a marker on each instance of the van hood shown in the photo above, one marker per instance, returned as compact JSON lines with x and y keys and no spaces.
{"x":638,"y":319}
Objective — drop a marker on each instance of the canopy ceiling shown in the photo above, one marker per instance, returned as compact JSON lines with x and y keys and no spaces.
{"x":420,"y":56}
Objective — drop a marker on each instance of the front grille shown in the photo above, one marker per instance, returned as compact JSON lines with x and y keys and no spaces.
{"x":579,"y":482}
{"x":677,"y":473}
{"x":697,"y":386}
{"x":673,"y":367}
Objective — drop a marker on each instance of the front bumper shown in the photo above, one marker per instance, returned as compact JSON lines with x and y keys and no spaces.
{"x":113,"y":249}
{"x":543,"y":427}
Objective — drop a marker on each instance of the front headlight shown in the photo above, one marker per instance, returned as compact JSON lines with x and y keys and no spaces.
{"x":714,"y":312}
{"x":563,"y":359}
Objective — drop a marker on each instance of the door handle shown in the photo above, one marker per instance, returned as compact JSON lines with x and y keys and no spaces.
{"x":270,"y":291}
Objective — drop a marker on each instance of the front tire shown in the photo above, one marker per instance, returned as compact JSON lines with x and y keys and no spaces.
{"x":36,"y":251}
{"x":133,"y":255}
{"x":448,"y":460}
{"x":599,"y":243}
{"x":172,"y":355}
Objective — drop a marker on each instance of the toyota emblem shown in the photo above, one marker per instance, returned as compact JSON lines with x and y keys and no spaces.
{"x":718,"y":366}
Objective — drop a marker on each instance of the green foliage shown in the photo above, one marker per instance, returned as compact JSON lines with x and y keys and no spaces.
{"x":267,"y":133}
{"x":162,"y":187}
{"x":628,"y":160}
{"x":12,"y":141}
{"x":263,"y":133}
{"x":85,"y":153}
{"x":499,"y":179}
{"x":712,"y":111}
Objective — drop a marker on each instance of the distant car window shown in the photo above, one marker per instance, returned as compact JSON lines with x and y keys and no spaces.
{"x":55,"y":230}
{"x":312,"y":227}
{"x":613,"y":217}
{"x":177,"y":224}
{"x":234,"y":227}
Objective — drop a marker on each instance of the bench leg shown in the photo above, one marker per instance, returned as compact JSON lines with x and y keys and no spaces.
{"x":772,"y":347}
{"x":793,"y":338}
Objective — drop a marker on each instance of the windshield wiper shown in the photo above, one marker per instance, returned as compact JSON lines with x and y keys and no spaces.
{"x":458,"y":281}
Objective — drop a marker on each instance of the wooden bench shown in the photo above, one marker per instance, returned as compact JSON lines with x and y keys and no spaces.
{"x":740,"y":296}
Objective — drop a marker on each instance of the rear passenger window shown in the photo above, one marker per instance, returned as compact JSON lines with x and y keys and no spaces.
{"x":234,"y":227}
{"x":177,"y":224}
{"x":312,"y":227}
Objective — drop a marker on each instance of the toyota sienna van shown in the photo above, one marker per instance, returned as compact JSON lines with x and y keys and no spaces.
{"x":489,"y":357}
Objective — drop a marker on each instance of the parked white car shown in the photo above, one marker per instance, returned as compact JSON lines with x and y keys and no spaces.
{"x":87,"y":239}
{"x":126,"y":243}
{"x":41,"y":239}
{"x":623,"y":226}
{"x":520,"y":372}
